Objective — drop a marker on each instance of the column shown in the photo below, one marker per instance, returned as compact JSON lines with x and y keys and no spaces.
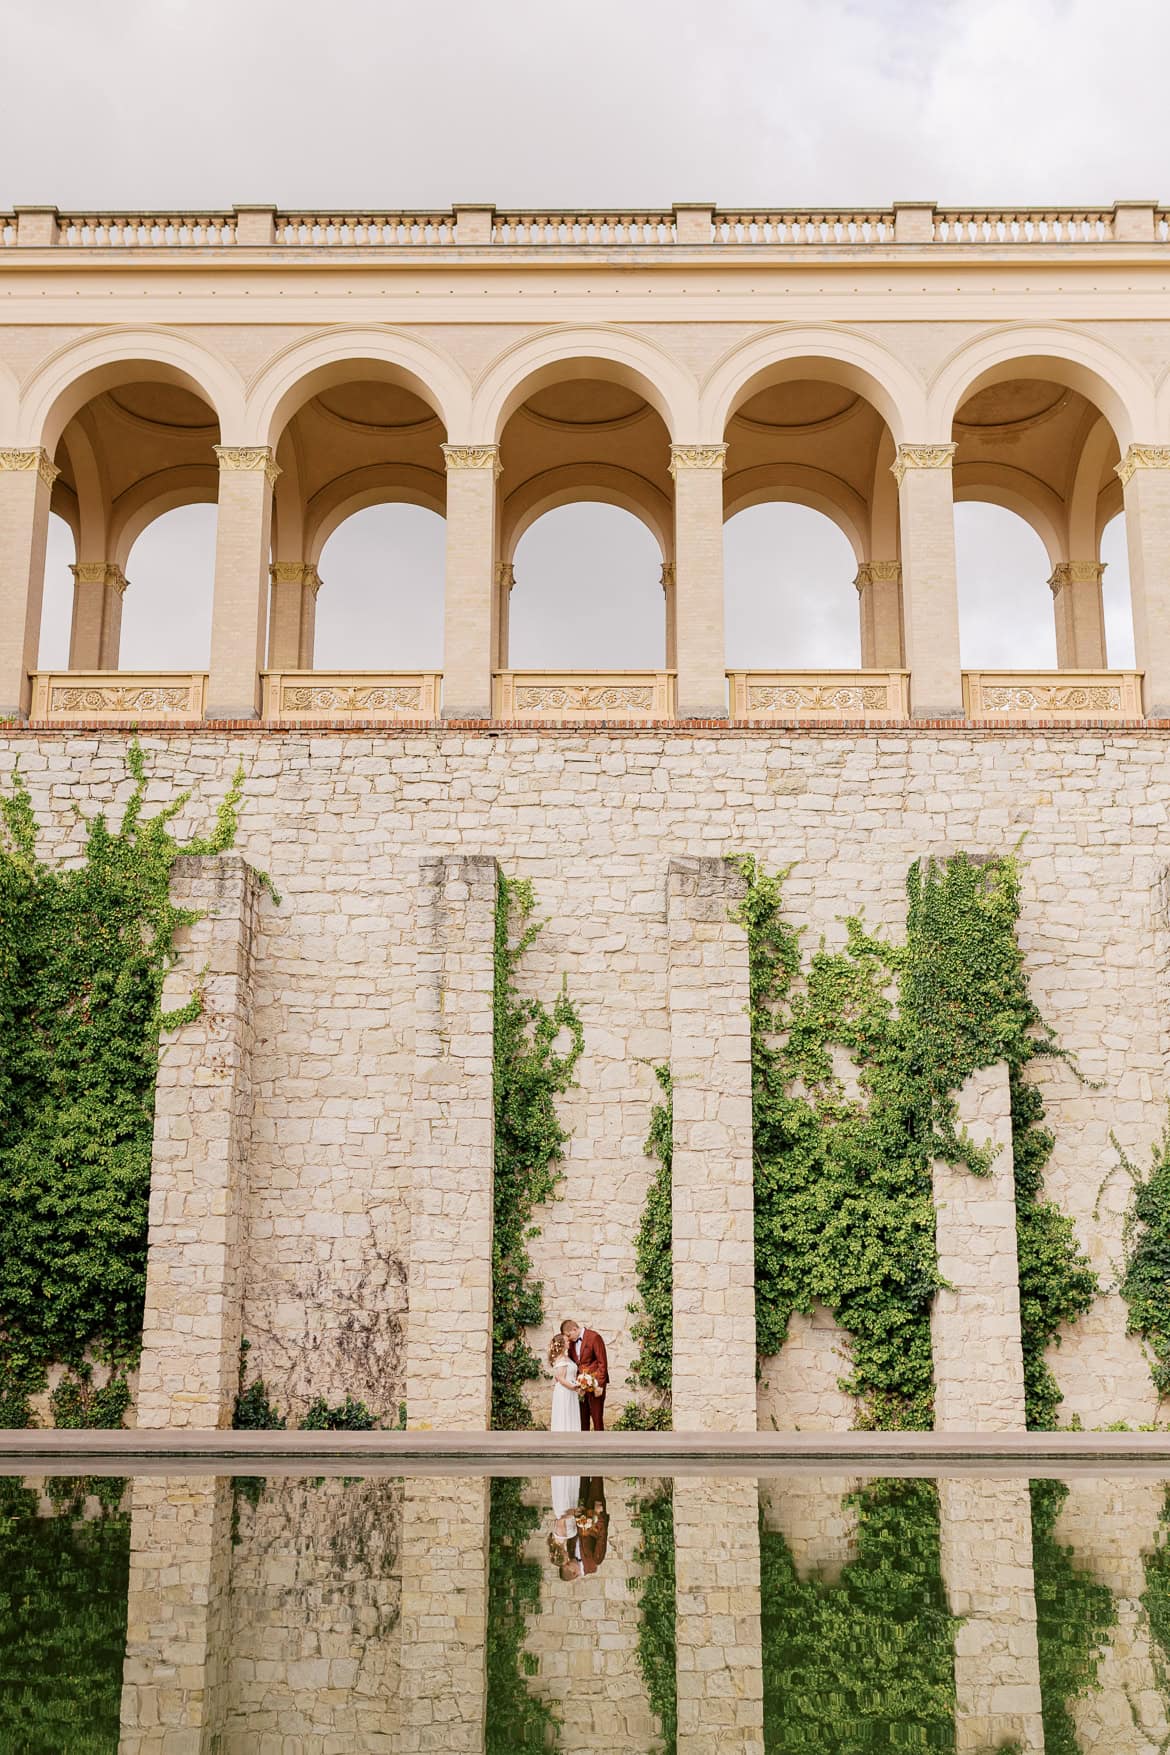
{"x":197,"y":1244}
{"x":698,"y":571}
{"x":449,"y":1338}
{"x":668,"y":592}
{"x":470,"y":637}
{"x":444,"y":1615}
{"x":930,"y":595}
{"x":718,"y":1659}
{"x":714,"y":1362}
{"x":1080,"y":615}
{"x":879,"y":591}
{"x":1145,"y":477}
{"x":239,"y":612}
{"x":174,"y":1676}
{"x":985,"y":1546}
{"x":26,"y":482}
{"x":975,"y":1318}
{"x":96,"y":630}
{"x":505,"y":583}
{"x":293,"y":619}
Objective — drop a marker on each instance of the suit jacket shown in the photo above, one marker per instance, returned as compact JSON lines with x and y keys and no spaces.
{"x":591,"y":1356}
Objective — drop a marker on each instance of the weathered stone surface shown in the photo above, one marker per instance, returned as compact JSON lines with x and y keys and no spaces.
{"x":717,"y":1623}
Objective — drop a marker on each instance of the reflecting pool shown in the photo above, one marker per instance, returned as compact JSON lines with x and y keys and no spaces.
{"x":830,"y":1615}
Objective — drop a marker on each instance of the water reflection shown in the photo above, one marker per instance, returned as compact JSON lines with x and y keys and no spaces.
{"x":830,"y":1616}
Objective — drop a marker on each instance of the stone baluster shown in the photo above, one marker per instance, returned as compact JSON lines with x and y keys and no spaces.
{"x":698,"y":573}
{"x":470,"y":614}
{"x":1145,"y":477}
{"x":239,"y":614}
{"x":879,"y":592}
{"x":196,"y":1250}
{"x":1080,"y":615}
{"x":930,"y":597}
{"x":293,"y":618}
{"x":714,"y":1363}
{"x":444,"y":1616}
{"x":448,"y":1356}
{"x":718,"y":1659}
{"x":26,"y":484}
{"x":95,"y":634}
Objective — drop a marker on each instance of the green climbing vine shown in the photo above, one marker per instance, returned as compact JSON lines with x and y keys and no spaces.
{"x":653,"y":1326}
{"x":83,"y":954}
{"x":517,"y":1721}
{"x":1145,"y":1284}
{"x":843,"y":1180}
{"x":867,"y":1662}
{"x":1156,"y":1599}
{"x":529,"y":1076}
{"x":1074,"y":1617}
{"x":652,"y":1515}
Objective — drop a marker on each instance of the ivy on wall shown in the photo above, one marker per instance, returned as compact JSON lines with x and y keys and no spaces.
{"x":1074,"y":1617}
{"x":1145,"y":1284}
{"x":652,"y":1515}
{"x":83,"y":954}
{"x":653,"y":1326}
{"x":517,"y":1722}
{"x":529,"y":1075}
{"x":844,"y":1209}
{"x":868,"y":1662}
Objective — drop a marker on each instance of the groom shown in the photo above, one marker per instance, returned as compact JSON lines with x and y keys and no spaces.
{"x":587,"y":1351}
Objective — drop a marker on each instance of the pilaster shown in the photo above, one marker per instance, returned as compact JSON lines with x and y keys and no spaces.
{"x":26,"y":483}
{"x":239,"y":613}
{"x":197,"y":1244}
{"x":293,"y":617}
{"x":698,"y":571}
{"x":96,"y":630}
{"x":448,"y":1356}
{"x":714,"y":1363}
{"x":1145,"y":478}
{"x":879,"y":594}
{"x":930,"y":597}
{"x":719,"y":1662}
{"x":1080,"y":615}
{"x":470,"y":635}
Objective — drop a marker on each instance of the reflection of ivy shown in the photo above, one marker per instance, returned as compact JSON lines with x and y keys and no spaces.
{"x":63,"y":1586}
{"x":844,"y":1208}
{"x":653,"y":1327}
{"x":866,"y":1663}
{"x":1156,"y":1599}
{"x":517,"y":1722}
{"x":529,"y":1075}
{"x":653,"y":1518}
{"x":1074,"y":1617}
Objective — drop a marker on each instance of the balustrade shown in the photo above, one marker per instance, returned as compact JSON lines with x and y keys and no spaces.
{"x":114,"y":697}
{"x":1023,"y":225}
{"x":327,"y":230}
{"x":805,"y":227}
{"x":583,"y":228}
{"x":584,"y":694}
{"x":819,"y":694}
{"x":1052,"y":694}
{"x":145,"y":230}
{"x":292,"y":696}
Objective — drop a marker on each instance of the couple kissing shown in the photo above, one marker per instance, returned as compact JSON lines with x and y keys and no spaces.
{"x":580,"y":1374}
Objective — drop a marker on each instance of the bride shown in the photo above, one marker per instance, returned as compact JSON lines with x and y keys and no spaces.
{"x":566,"y":1417}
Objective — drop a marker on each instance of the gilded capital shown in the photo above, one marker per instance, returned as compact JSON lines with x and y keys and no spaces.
{"x":1075,"y":573}
{"x":248,"y":457}
{"x":1143,"y":457}
{"x":920,"y":457}
{"x":668,"y":575}
{"x":473,"y":457}
{"x":295,"y":573}
{"x":505,"y":574}
{"x":37,"y":459}
{"x":99,"y":573}
{"x":878,"y":573}
{"x":697,"y":457}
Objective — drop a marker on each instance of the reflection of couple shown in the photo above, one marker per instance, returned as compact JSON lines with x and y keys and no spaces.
{"x":580,"y":1373}
{"x":579,"y":1536}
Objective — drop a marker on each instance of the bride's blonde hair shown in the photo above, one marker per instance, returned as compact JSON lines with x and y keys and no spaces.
{"x":556,"y":1347}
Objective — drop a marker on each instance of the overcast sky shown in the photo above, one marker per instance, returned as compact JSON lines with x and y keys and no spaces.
{"x":169,"y":103}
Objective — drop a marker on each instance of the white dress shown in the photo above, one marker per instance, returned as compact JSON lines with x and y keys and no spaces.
{"x":566,"y":1408}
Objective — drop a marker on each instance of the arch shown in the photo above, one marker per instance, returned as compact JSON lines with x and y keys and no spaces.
{"x":72,"y":376}
{"x":1062,"y":356}
{"x":801,"y":485}
{"x":382,"y":598}
{"x":188,"y":484}
{"x":838,"y":356}
{"x":588,"y":592}
{"x":999,"y":484}
{"x":1097,"y":494}
{"x":604,"y":483}
{"x":375,"y":485}
{"x":339,"y":356}
{"x":1006,"y":618}
{"x":90,"y":510}
{"x":790,"y":598}
{"x":557,"y":354}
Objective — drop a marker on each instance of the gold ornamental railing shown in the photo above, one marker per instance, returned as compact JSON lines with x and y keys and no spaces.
{"x":290,"y":696}
{"x":819,"y":694}
{"x":1052,"y":694}
{"x":117,"y":697}
{"x":583,"y":694}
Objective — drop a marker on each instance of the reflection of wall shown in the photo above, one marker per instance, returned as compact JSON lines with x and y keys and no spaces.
{"x":586,"y":1639}
{"x":444,"y":1606}
{"x":812,"y":1514}
{"x":719,"y":1660}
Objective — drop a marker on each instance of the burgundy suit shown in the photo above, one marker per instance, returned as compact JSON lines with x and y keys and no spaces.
{"x":589,"y":1355}
{"x":593,"y":1547}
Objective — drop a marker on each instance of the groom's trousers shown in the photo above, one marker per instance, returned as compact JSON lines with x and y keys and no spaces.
{"x":593,"y":1412}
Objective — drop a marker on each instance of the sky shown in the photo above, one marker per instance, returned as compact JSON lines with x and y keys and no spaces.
{"x":168,"y":103}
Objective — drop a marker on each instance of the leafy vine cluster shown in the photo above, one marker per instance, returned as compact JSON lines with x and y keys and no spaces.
{"x":844,"y":1212}
{"x":517,"y":1722}
{"x":653,"y":1313}
{"x":83,"y":954}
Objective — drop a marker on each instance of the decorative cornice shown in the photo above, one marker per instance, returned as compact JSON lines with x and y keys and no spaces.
{"x":248,"y":457}
{"x":37,"y":459}
{"x":1075,"y":573}
{"x":920,"y":457}
{"x":473,"y":457}
{"x":1143,"y":457}
{"x":878,"y":573}
{"x":505,"y":574}
{"x":99,"y":573}
{"x":697,"y":457}
{"x":295,"y":573}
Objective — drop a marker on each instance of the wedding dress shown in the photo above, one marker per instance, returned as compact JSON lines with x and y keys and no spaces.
{"x":566,"y":1408}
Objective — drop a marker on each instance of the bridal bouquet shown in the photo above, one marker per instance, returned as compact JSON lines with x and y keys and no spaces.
{"x":588,"y":1384}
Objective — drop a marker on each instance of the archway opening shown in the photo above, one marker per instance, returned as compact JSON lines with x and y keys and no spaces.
{"x":166,"y":614}
{"x":1117,"y":603}
{"x":1005,"y":605}
{"x":57,"y":603}
{"x":588,"y":593}
{"x":790,"y":599}
{"x":380,"y":604}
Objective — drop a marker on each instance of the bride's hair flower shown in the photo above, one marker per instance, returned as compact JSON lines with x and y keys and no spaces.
{"x":556,"y":1348}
